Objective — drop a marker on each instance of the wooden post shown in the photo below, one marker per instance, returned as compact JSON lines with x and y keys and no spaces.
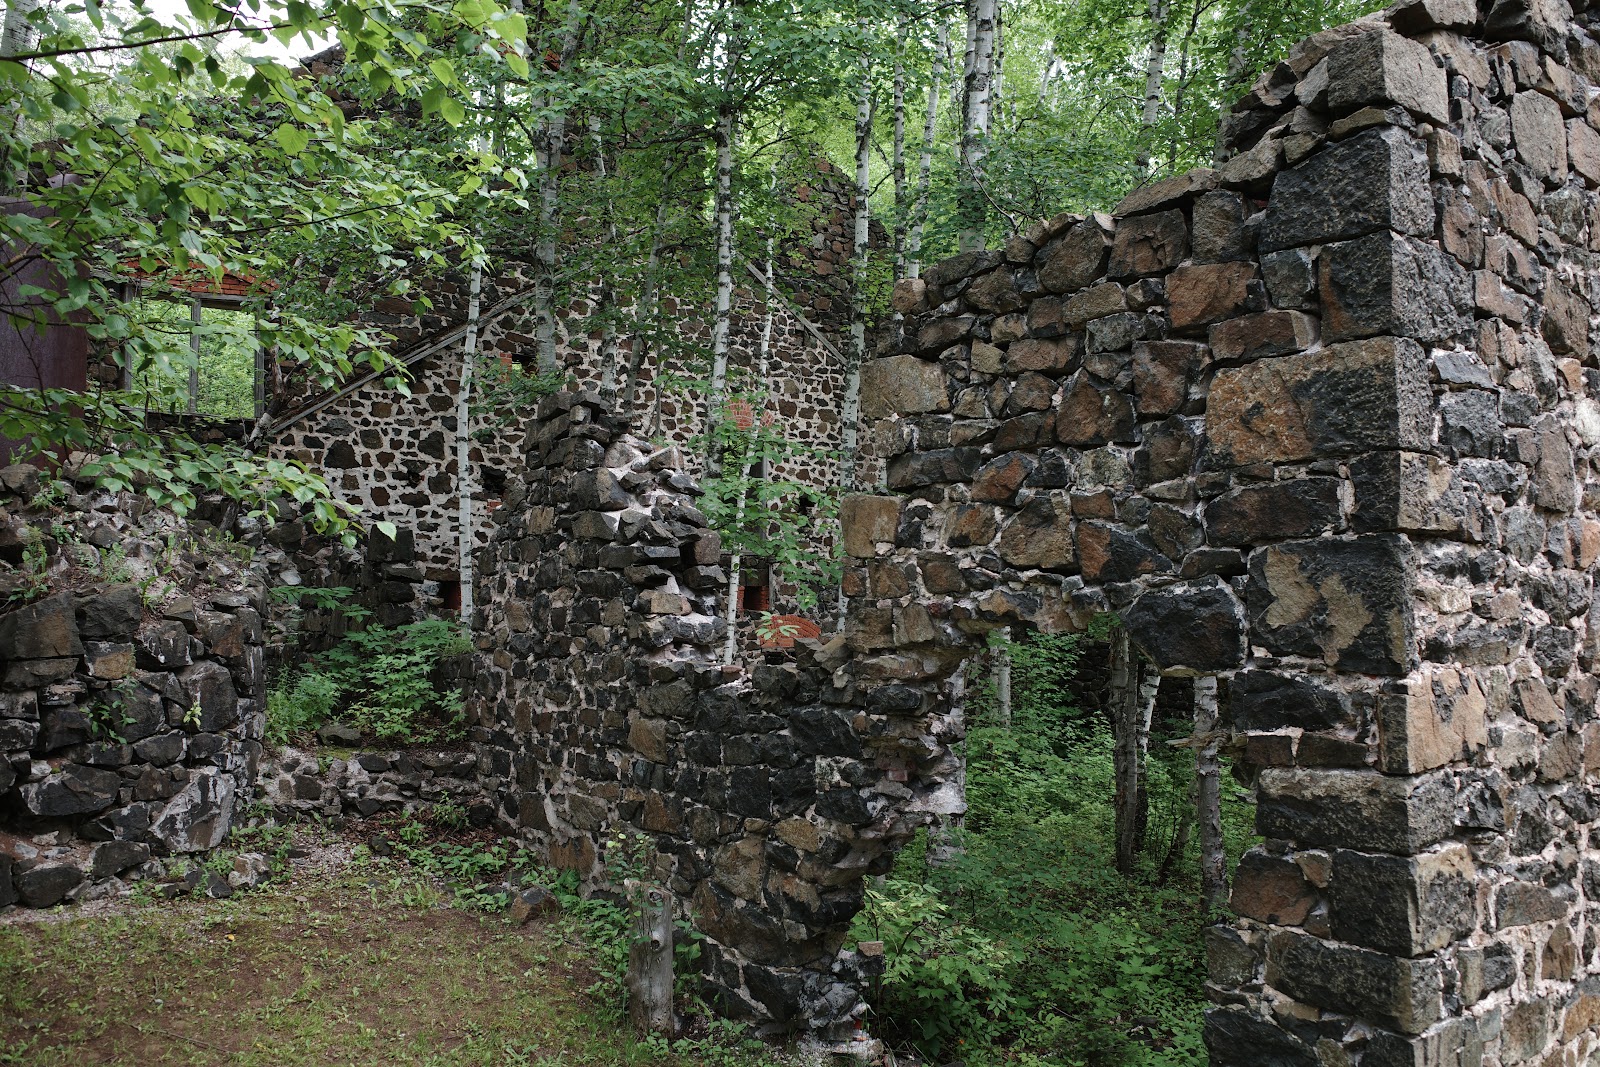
{"x":650,"y":960}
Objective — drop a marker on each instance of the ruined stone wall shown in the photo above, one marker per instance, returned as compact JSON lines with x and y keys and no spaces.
{"x":1323,"y":423}
{"x":600,"y":707}
{"x":394,"y":455}
{"x":132,"y":697}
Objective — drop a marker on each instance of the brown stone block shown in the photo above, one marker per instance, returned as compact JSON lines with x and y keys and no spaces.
{"x":648,"y":737}
{"x":998,"y":480}
{"x":1112,"y":553}
{"x":903,"y":385}
{"x":970,"y":526}
{"x":1175,"y":190}
{"x":1275,"y":511}
{"x":1583,"y":150}
{"x":1211,"y":292}
{"x":1041,"y":355}
{"x":1381,"y":67}
{"x":1149,"y":244}
{"x":1108,"y":298}
{"x":995,"y":292}
{"x":1357,"y":809}
{"x":1270,"y":333}
{"x":1441,"y":718}
{"x":1347,"y":398}
{"x":1092,"y":416}
{"x":1396,"y":994}
{"x":1405,"y":906}
{"x":1161,"y":374}
{"x":1271,"y":889}
{"x":1040,"y":536}
{"x":867,"y":520}
{"x":1079,"y":258}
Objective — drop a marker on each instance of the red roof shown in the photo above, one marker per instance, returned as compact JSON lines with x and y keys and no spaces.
{"x":201,"y":282}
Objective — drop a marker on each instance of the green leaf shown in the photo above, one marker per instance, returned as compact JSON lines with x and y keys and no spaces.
{"x":292,"y":138}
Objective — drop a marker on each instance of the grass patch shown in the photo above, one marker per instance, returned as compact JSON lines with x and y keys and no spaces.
{"x":362,"y":964}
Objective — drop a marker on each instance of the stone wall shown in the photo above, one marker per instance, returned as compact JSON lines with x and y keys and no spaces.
{"x":131,"y":702}
{"x":1321,"y":422}
{"x":362,"y":784}
{"x":395,"y":455}
{"x":600,"y":708}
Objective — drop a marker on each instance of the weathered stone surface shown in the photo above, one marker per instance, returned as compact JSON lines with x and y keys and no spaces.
{"x":1078,"y":259}
{"x":1277,"y":511}
{"x":1218,"y":231}
{"x":1441,"y":719}
{"x":867,"y":520}
{"x":114,"y":613}
{"x":1040,"y":536}
{"x":1381,"y":67}
{"x":1355,"y":809}
{"x":1385,"y":284}
{"x":1090,"y":415}
{"x":74,"y":790}
{"x":1271,"y":889}
{"x":1270,"y":333}
{"x":208,"y":686}
{"x":1235,"y":1037}
{"x":1192,"y":626}
{"x":929,"y":468}
{"x":1036,"y":354}
{"x":1111,"y":553}
{"x":1375,"y":181}
{"x":1162,"y":371}
{"x":1272,"y":700}
{"x":1540,"y":134}
{"x":45,"y":629}
{"x":1345,"y":603}
{"x":1403,"y":995}
{"x":199,"y":817}
{"x":47,"y":884}
{"x":903,"y":385}
{"x":1400,"y":905}
{"x":1207,"y":293}
{"x":1347,"y":398}
{"x":1149,"y":244}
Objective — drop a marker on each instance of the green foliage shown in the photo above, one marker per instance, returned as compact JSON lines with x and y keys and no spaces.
{"x":504,"y":393}
{"x":34,"y":573}
{"x":380,"y":678}
{"x":108,"y":715}
{"x":762,"y":513}
{"x":299,"y":706}
{"x":1039,"y":951}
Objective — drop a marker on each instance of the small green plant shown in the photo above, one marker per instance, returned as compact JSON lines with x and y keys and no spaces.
{"x":114,"y":567}
{"x":191,"y":717}
{"x":386,"y":674}
{"x":51,"y":494}
{"x":64,"y":533}
{"x":299,"y":706}
{"x":449,"y":813}
{"x":108,"y":714}
{"x":34,"y":572}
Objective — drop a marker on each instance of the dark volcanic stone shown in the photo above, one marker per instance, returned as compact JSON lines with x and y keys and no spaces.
{"x":1198,"y":625}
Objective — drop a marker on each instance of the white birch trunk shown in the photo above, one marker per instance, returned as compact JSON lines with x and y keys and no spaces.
{"x":930,"y":124}
{"x":649,"y":977}
{"x":901,"y":207}
{"x":464,"y":479}
{"x":727,"y":135}
{"x":550,"y":161}
{"x":605,"y":296}
{"x":1154,"y":70}
{"x":1208,"y":795}
{"x":645,"y":312}
{"x":1002,"y":681}
{"x":973,"y":208}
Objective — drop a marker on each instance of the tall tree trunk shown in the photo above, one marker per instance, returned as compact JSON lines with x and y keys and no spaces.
{"x":856,"y":353}
{"x":644,"y":312}
{"x":606,"y":293}
{"x":1208,"y":794}
{"x":763,"y":359}
{"x":930,"y":124}
{"x":1154,"y":67}
{"x":1002,"y":680}
{"x":550,"y":162}
{"x":16,"y":37}
{"x":1237,"y":60}
{"x":727,"y":136}
{"x":972,"y":206}
{"x":465,"y":483}
{"x":1123,"y":697}
{"x":1149,"y":689}
{"x":901,"y":207}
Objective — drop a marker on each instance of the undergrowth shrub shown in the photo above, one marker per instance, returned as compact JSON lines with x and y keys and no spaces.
{"x":1029,"y":947}
{"x":381,"y":679}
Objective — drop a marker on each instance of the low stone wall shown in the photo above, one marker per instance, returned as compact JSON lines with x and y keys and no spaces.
{"x":131,"y":700}
{"x":601,"y":709}
{"x":296,"y":783}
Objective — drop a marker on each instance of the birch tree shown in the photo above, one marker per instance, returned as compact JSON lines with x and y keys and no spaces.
{"x":1208,"y":794}
{"x":550,"y":152}
{"x":1159,"y":12}
{"x":972,"y":200}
